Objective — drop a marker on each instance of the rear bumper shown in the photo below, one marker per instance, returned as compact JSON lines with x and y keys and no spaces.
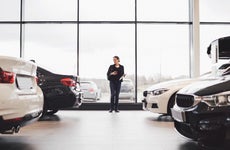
{"x":88,"y":95}
{"x":6,"y":125}
{"x":15,"y":104}
{"x":126,"y":96}
{"x":69,"y":100}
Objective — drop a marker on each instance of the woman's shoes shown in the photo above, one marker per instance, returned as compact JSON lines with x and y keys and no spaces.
{"x":117,"y":111}
{"x":110,"y":111}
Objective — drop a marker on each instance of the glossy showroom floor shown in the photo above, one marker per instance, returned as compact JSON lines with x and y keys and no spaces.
{"x":99,"y":130}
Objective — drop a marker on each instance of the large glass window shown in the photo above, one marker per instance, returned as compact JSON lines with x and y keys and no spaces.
{"x":163,"y":10}
{"x":98,"y":45}
{"x":209,"y":33}
{"x":52,"y":46}
{"x":163,"y":54}
{"x":214,"y":10}
{"x":50,"y":10}
{"x":107,"y":10}
{"x":9,"y":40}
{"x":9,"y":10}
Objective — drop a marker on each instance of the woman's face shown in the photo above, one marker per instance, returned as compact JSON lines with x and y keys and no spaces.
{"x":116,"y":61}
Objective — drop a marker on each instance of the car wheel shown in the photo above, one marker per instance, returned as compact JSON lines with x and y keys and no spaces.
{"x":185,"y":130}
{"x":51,"y":112}
{"x":171,"y":103}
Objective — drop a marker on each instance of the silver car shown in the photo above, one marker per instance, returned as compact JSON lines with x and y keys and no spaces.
{"x":90,"y":90}
{"x":127,"y":90}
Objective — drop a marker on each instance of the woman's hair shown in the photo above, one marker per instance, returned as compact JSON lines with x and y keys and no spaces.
{"x":117,"y":58}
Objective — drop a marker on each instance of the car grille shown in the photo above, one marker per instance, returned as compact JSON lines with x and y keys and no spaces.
{"x":184,"y":100}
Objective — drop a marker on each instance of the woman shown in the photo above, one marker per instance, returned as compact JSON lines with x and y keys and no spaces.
{"x":115,"y":75}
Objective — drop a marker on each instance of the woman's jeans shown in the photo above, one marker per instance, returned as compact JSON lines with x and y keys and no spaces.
{"x":115,"y":87}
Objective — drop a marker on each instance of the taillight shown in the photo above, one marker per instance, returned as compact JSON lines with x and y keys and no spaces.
{"x":36,"y":79}
{"x":68,"y":82}
{"x":91,"y":90}
{"x":14,"y":120}
{"x":6,"y":77}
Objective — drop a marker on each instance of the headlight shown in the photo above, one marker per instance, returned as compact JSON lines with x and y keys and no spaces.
{"x":159,"y":91}
{"x":216,"y":100}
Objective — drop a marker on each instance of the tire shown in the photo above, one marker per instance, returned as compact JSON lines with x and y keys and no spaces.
{"x":51,"y":112}
{"x":44,"y":111}
{"x":185,"y":130}
{"x":171,"y":103}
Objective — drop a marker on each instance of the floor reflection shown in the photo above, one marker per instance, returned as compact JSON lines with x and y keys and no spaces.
{"x":14,"y":143}
{"x":87,"y":130}
{"x":190,"y":145}
{"x":193,"y":145}
{"x":161,"y":118}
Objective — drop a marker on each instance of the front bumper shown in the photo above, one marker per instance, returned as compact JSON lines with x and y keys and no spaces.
{"x":156,"y":104}
{"x":202,"y":116}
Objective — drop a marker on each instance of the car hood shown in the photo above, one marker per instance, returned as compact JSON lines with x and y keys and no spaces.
{"x":171,"y":84}
{"x":208,"y":86}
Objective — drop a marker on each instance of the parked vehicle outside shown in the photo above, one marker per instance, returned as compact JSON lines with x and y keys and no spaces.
{"x":127,"y":90}
{"x":90,"y":90}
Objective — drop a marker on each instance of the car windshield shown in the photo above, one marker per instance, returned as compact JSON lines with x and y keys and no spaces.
{"x":224,"y":66}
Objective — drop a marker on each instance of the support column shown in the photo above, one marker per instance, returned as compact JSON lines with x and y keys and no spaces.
{"x":78,"y":37}
{"x":22,"y":52}
{"x":195,"y":39}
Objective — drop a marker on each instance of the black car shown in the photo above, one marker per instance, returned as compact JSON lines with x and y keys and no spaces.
{"x":202,"y":109}
{"x":60,"y":91}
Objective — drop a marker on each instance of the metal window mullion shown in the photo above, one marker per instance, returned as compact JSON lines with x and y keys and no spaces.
{"x":21,"y":30}
{"x":136,"y":60}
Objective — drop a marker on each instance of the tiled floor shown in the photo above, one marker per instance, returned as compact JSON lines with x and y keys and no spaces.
{"x":99,"y":130}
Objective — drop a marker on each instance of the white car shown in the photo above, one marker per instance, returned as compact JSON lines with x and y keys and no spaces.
{"x":20,"y":98}
{"x":127,"y":90}
{"x":160,"y":98}
{"x":90,"y":90}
